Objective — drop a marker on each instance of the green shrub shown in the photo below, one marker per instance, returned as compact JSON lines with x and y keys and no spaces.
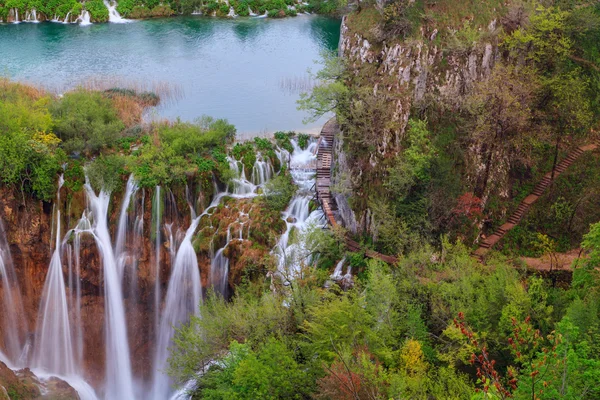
{"x":283,"y":140}
{"x":106,"y":173}
{"x":86,"y":122}
{"x":278,"y":192}
{"x":303,"y":140}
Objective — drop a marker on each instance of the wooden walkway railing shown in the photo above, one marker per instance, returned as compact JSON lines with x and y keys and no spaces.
{"x":537,"y":192}
{"x":324,"y":196}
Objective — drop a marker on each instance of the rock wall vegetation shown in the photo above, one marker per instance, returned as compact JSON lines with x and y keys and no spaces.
{"x":452,"y":111}
{"x":99,"y":134}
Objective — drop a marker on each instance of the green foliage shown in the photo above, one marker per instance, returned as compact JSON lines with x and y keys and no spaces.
{"x":106,"y":173}
{"x":268,"y":373}
{"x":331,"y":92}
{"x":29,"y":155}
{"x":278,"y":192}
{"x":303,"y":140}
{"x":97,"y":9}
{"x":283,"y":140}
{"x":86,"y":122}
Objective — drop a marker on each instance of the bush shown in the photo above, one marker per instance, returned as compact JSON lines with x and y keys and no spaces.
{"x":278,"y":192}
{"x":106,"y":173}
{"x":86,"y":122}
{"x":303,"y":140}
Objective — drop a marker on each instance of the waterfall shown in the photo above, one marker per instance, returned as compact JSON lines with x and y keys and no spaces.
{"x":11,"y":305}
{"x":54,"y":346}
{"x":231,"y":13}
{"x":67,"y":20}
{"x":16,"y":20}
{"x":241,"y":186}
{"x":31,"y":16}
{"x":85,"y":18}
{"x":219,"y":267}
{"x":122,"y":238}
{"x":251,"y":13}
{"x":157,"y":244}
{"x":182,"y":300}
{"x":119,"y":383}
{"x":74,"y":253}
{"x":297,"y":216}
{"x":262,"y":171}
{"x":113,"y":14}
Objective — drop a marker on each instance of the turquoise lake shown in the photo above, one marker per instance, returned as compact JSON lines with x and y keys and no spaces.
{"x":248,"y":70}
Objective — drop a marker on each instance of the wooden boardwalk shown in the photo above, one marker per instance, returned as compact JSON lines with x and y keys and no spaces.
{"x":324,"y":196}
{"x":537,"y":192}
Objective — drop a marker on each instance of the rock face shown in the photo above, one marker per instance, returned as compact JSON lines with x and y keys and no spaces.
{"x":415,"y":70}
{"x":25,"y":385}
{"x":30,"y":229}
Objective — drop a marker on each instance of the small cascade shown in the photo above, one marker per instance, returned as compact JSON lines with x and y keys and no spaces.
{"x":219,"y":267}
{"x":11,"y":306}
{"x":54,"y":346}
{"x":298,"y":218}
{"x":241,"y":186}
{"x":232,"y":13}
{"x":251,"y":13}
{"x":119,"y":384}
{"x":15,"y":12}
{"x":31,"y":16}
{"x":85,"y":18}
{"x":182,"y":300}
{"x":262,"y":171}
{"x":113,"y":14}
{"x":337,"y":273}
{"x":67,"y":19}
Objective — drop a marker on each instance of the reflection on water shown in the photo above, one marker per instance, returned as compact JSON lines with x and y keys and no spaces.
{"x":248,"y":70}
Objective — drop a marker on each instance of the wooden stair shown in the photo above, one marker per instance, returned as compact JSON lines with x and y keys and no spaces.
{"x":537,"y":192}
{"x":323,"y":187}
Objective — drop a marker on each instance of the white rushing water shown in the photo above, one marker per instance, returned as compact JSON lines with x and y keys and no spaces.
{"x":85,"y":18}
{"x":54,"y":345}
{"x":119,"y":383}
{"x":182,"y":300}
{"x":113,"y":14}
{"x":291,"y":251}
{"x":11,"y":304}
{"x":123,"y":258}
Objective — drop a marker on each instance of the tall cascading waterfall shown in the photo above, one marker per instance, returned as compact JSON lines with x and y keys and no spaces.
{"x":11,"y":305}
{"x":182,"y":300}
{"x":298,"y":218}
{"x":84,"y":226}
{"x":124,"y":259}
{"x":119,"y":382}
{"x":156,"y":220}
{"x":113,"y":14}
{"x":54,"y":345}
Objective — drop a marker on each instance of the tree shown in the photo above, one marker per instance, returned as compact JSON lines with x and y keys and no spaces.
{"x":330,"y":92}
{"x":501,"y":129}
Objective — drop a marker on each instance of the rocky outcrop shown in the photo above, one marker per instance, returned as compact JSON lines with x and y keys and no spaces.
{"x":415,"y":71}
{"x":25,"y":385}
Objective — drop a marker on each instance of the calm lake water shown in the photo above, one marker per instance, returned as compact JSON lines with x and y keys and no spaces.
{"x":248,"y":70}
